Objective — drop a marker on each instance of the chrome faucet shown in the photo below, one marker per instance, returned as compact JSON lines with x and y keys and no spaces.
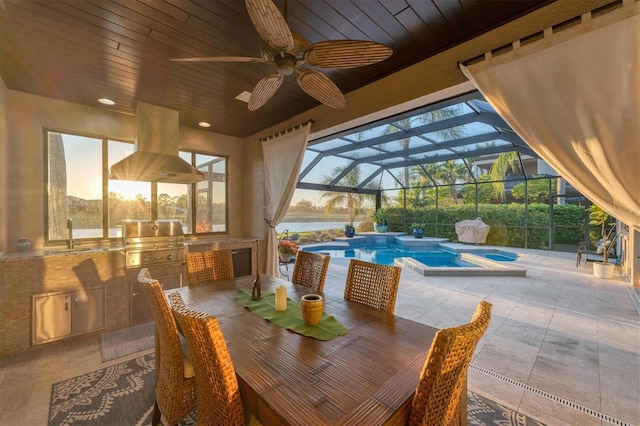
{"x":70,"y":238}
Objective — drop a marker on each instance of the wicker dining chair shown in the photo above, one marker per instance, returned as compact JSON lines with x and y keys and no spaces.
{"x":175,"y":383}
{"x":218,"y":400}
{"x":219,"y":264}
{"x":310,"y":270}
{"x":442,"y":381}
{"x":207,"y":266}
{"x":373,"y":285}
{"x":197,"y":271}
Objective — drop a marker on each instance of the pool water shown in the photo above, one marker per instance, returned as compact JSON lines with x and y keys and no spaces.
{"x":499,"y":257}
{"x":385,"y":255}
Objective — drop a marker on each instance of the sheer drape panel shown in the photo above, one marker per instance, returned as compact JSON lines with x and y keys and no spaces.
{"x":283,"y":157}
{"x":574,"y":97}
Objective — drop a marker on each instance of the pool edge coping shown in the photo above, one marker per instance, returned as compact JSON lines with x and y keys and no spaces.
{"x":485,"y":266}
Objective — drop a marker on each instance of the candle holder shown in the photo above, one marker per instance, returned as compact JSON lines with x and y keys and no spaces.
{"x":311,"y":306}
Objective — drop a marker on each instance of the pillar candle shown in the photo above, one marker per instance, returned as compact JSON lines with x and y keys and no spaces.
{"x":281,"y":298}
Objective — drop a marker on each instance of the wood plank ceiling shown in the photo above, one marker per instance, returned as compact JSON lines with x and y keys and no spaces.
{"x":79,"y":51}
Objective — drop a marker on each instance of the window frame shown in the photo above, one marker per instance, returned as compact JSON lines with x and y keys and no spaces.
{"x":104,"y":140}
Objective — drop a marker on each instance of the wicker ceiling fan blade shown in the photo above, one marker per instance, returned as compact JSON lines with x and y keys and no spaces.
{"x":345,"y":53}
{"x":270,"y":24}
{"x":264,"y":90}
{"x":320,"y":87}
{"x":220,"y":59}
{"x":288,"y":52}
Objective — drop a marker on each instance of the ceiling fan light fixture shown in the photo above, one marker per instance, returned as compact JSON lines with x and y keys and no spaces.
{"x":286,"y":64}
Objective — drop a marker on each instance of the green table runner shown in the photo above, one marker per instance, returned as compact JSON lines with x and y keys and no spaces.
{"x":291,"y":319}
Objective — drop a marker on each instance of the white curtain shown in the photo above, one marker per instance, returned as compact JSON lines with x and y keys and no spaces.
{"x":574,"y":98}
{"x":283,"y":157}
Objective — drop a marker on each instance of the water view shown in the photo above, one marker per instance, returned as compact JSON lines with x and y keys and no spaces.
{"x":294,"y":227}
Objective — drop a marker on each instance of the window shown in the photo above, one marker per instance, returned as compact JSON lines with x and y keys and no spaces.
{"x":78,"y":189}
{"x":211,"y":212}
{"x":74,"y":186}
{"x":126,"y":199}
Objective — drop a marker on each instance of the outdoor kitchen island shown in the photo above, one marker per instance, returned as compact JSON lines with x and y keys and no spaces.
{"x":101,"y":270}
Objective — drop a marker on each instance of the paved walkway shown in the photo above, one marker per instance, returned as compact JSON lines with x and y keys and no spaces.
{"x":563,"y":347}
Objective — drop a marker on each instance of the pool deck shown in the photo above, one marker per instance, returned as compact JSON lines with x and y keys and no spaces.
{"x":563,"y":346}
{"x":471,"y":253}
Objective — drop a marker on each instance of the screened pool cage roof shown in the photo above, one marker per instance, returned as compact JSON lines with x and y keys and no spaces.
{"x":388,"y":154}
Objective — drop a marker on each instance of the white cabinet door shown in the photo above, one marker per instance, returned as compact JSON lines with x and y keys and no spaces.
{"x":51,"y":317}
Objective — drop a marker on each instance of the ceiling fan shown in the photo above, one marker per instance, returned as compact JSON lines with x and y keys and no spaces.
{"x":288,"y":51}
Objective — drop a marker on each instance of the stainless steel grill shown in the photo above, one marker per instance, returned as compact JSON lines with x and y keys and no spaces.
{"x":152,"y":242}
{"x":157,"y":245}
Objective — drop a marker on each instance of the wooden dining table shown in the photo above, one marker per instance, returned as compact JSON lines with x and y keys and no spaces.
{"x":365,"y":377}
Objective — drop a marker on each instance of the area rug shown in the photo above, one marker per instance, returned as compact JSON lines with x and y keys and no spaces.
{"x":126,"y":341}
{"x":123,"y":395}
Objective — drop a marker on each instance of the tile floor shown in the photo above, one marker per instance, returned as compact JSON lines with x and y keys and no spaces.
{"x":563,"y":347}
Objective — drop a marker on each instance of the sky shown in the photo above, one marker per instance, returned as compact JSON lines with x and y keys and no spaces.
{"x":84,"y":161}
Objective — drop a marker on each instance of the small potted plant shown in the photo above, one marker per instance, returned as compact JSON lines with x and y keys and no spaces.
{"x":349,"y":230}
{"x":600,"y":218}
{"x":380,"y":220}
{"x":286,"y":250}
{"x":418,"y":230}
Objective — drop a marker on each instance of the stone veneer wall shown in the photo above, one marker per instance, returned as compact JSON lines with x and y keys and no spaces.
{"x":24,"y":274}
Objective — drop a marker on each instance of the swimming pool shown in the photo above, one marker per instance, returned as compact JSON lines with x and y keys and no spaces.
{"x":435,"y":257}
{"x":386,"y":255}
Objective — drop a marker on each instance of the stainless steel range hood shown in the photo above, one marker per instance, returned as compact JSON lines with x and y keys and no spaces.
{"x":156,"y":157}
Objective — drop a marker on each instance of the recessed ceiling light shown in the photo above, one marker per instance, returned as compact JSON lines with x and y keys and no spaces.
{"x":106,"y":101}
{"x":244,"y":96}
{"x":204,"y":124}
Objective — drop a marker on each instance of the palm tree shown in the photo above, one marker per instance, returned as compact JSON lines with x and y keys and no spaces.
{"x":354,"y":202}
{"x":58,"y":203}
{"x":405,"y":123}
{"x":450,"y":173}
{"x":505,"y":163}
{"x":450,"y":133}
{"x":417,"y":194}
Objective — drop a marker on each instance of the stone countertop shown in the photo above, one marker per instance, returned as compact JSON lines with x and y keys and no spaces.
{"x":219,"y":243}
{"x":62,"y":251}
{"x":29,"y":254}
{"x":225,"y":240}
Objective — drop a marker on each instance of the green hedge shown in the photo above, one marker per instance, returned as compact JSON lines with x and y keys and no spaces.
{"x":507,"y":222}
